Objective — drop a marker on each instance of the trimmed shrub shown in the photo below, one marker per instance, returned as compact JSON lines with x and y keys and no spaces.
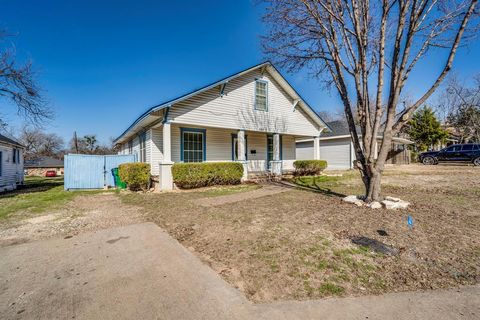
{"x":202,"y":174}
{"x":309,"y":167}
{"x":136,"y":175}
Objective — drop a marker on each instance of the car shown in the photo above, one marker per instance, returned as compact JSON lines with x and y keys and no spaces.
{"x":469,"y":152}
{"x":51,"y":173}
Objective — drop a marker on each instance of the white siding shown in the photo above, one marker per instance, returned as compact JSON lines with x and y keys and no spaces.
{"x":12,"y":173}
{"x":288,"y":152}
{"x":156,"y":145}
{"x":235,"y":110}
{"x":337,"y":152}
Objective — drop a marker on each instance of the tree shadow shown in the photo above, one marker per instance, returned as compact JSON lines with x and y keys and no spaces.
{"x":32,"y":186}
{"x":316,"y":186}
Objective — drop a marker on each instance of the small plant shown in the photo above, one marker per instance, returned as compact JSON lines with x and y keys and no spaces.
{"x":136,"y":175}
{"x":196,"y":175}
{"x":309,"y":167}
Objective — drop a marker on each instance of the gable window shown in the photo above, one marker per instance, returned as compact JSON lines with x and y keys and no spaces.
{"x":143,"y":150}
{"x":193,"y":145}
{"x":261,"y":95}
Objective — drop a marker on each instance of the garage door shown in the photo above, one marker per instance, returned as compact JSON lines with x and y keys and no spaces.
{"x":336,"y":152}
{"x":304,"y":150}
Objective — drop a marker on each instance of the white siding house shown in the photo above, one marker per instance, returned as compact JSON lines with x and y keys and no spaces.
{"x":11,"y":163}
{"x":253,"y":117}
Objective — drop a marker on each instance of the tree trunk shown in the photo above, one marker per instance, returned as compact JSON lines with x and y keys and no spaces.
{"x":373,"y":187}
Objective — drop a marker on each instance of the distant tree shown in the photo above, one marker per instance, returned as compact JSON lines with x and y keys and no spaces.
{"x":18,"y":85}
{"x":425,"y":129}
{"x":460,"y":105}
{"x":39,"y":143}
{"x":89,"y":144}
{"x":367,"y":51}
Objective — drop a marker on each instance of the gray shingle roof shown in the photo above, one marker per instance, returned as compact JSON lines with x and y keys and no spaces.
{"x":44,"y":162}
{"x":8,"y":140}
{"x":339,"y":128}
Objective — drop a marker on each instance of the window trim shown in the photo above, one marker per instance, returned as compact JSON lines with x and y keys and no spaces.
{"x":235,"y":136}
{"x":204,"y":141}
{"x":266,"y":95}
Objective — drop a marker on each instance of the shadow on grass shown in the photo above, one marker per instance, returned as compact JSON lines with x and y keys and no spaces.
{"x":34,"y":184}
{"x":318,"y":184}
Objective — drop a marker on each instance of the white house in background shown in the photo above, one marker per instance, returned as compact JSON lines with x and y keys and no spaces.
{"x":253,"y":117}
{"x":336,"y":147}
{"x":11,"y":163}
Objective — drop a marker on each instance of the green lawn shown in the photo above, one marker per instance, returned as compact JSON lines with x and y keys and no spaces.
{"x":38,"y":194}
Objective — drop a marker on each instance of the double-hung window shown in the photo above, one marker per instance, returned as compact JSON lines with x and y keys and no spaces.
{"x":261,"y":95}
{"x":193,"y":145}
{"x":14,"y":155}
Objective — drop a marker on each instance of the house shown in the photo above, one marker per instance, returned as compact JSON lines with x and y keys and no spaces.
{"x":11,"y":163}
{"x":253,"y":117}
{"x":336,"y":147}
{"x":39,"y":166}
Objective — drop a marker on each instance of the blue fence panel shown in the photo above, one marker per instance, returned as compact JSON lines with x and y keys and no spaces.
{"x":84,"y":171}
{"x":113,"y":162}
{"x":92,"y":171}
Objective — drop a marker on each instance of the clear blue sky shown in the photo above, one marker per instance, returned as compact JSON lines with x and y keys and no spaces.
{"x":103,"y":63}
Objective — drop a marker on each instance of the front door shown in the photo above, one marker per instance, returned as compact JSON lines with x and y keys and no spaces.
{"x":269,"y":152}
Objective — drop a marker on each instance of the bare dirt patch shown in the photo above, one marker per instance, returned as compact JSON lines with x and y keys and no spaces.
{"x":83,"y":213}
{"x":298,"y":244}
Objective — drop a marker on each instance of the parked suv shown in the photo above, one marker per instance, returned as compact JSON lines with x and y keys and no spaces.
{"x":456,"y":153}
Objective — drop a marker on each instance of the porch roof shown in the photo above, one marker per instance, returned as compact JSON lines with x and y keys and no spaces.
{"x":151,"y":116}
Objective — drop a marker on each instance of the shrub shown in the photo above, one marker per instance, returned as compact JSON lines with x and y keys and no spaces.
{"x":196,"y":175}
{"x":136,"y":175}
{"x":309,"y":167}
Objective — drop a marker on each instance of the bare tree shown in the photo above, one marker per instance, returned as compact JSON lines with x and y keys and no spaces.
{"x":39,"y":143}
{"x":18,"y":85}
{"x":460,"y":105}
{"x":367,"y":51}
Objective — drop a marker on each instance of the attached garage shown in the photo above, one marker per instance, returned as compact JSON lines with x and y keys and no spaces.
{"x":337,"y":152}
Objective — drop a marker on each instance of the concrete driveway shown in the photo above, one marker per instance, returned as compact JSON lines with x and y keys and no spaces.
{"x":140,"y":272}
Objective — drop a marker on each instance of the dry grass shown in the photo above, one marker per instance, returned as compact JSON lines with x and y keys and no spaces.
{"x":296,"y":245}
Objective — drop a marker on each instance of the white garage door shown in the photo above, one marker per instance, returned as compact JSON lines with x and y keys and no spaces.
{"x":336,"y":152}
{"x":304,"y":150}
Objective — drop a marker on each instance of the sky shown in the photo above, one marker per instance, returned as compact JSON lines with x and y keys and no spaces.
{"x":103,"y":63}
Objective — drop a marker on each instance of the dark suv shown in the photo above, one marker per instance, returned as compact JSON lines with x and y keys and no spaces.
{"x":456,"y":153}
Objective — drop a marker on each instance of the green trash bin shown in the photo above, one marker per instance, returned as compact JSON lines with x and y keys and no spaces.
{"x":116,"y":178}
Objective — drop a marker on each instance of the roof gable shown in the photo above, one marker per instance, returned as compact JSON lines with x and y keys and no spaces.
{"x":10,"y":141}
{"x":155,"y":114}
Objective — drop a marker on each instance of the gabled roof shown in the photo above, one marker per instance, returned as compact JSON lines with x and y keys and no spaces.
{"x":339,"y":128}
{"x":44,"y":162}
{"x":143,"y":121}
{"x":10,"y":141}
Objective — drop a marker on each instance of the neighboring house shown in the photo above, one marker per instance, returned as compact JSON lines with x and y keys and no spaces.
{"x":253,"y":117}
{"x":11,"y":163}
{"x":39,"y":166}
{"x":336,"y":147}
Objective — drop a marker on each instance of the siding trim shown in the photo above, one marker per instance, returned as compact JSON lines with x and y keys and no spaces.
{"x":204,"y":137}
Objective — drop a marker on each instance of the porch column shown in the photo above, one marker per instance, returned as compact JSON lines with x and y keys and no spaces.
{"x":316,"y":148}
{"x":242,"y":151}
{"x":166,"y":180}
{"x":277,"y":162}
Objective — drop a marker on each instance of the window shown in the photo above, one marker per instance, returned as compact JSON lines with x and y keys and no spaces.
{"x":193,"y":145}
{"x":130,"y":147}
{"x":467,"y":147}
{"x":261,"y":95}
{"x":14,"y":155}
{"x":143,"y":150}
{"x":454,"y":148}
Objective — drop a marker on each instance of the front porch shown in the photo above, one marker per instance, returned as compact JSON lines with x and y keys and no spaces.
{"x":261,"y":153}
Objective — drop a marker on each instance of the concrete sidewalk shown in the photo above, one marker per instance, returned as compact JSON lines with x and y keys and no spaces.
{"x":140,"y":272}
